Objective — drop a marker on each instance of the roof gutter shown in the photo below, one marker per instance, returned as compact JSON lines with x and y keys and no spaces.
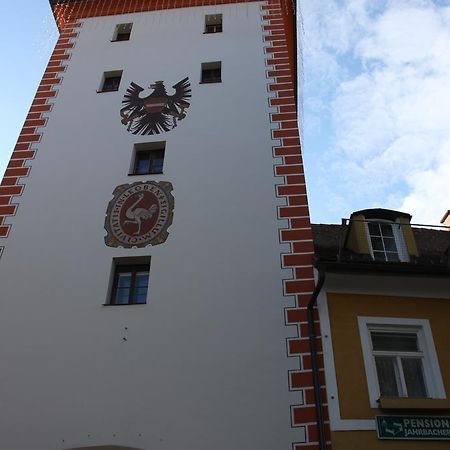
{"x":395,"y":269}
{"x":314,"y":360}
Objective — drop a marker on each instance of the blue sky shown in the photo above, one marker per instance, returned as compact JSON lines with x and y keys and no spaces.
{"x":28,"y":37}
{"x":377,"y":106}
{"x":376,"y":128}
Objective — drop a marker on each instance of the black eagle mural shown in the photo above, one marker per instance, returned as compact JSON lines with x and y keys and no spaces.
{"x":158,"y":112}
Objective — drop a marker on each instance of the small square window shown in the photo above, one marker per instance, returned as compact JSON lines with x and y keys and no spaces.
{"x":213,"y":23}
{"x":130,"y":281}
{"x":111,"y":81}
{"x":212,"y":72}
{"x":148,"y":158}
{"x":122,"y":32}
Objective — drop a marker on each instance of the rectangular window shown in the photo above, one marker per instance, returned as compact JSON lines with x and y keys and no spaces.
{"x":148,"y":158}
{"x":386,"y":241}
{"x":213,"y":23}
{"x":122,"y":32}
{"x":399,"y":363}
{"x":384,"y":246}
{"x":130,"y":281}
{"x":111,"y":81}
{"x":211,"y":72}
{"x":399,"y":358}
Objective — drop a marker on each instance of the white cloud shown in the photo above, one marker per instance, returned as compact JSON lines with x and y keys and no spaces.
{"x":390,"y":103}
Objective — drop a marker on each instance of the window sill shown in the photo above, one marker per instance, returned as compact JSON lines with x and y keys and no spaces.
{"x":144,"y":174}
{"x":414,"y":403}
{"x":104,"y":92}
{"x":210,"y":82}
{"x":123,"y":304}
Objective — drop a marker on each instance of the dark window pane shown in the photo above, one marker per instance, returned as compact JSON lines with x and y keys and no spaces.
{"x":149,"y":161}
{"x":413,"y":373}
{"x":157,"y":165}
{"x":111,"y":84}
{"x":142,"y":279}
{"x":377,"y":244}
{"x":211,"y":75}
{"x":386,"y":229}
{"x":123,"y":36}
{"x":379,"y":256}
{"x":374,"y":229}
{"x":215,"y":28}
{"x":388,"y":378}
{"x":123,"y":31}
{"x":399,"y":342}
{"x":389,"y":244}
{"x":124,"y":279}
{"x":392,"y":256}
{"x":140,"y":295}
{"x":122,"y":296}
{"x":142,"y":162}
{"x":130,"y":285}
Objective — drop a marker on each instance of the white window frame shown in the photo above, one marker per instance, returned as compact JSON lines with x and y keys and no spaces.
{"x":400,"y":243}
{"x":432,"y":373}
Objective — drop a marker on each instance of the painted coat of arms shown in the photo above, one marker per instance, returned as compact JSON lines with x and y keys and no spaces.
{"x":158,"y":112}
{"x":139,"y":214}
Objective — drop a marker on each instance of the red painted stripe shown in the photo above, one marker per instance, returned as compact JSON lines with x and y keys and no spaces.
{"x":291,"y":260}
{"x":293,"y":160}
{"x":15,"y":163}
{"x":291,"y":190}
{"x":7,"y":210}
{"x":285,"y":133}
{"x":22,"y":172}
{"x":23,"y":155}
{"x":287,"y":170}
{"x":296,"y":235}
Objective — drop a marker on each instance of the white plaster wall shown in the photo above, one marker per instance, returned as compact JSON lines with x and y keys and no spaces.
{"x":204,"y":365}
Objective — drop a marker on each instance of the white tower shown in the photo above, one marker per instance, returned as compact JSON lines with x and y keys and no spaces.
{"x":155,"y":188}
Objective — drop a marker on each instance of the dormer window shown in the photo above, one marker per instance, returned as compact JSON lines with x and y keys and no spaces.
{"x":382,"y":234}
{"x":386,"y":241}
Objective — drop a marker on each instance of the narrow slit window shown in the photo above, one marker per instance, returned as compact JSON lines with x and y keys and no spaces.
{"x":111,"y":81}
{"x":213,"y":23}
{"x":122,"y":32}
{"x":211,"y":72}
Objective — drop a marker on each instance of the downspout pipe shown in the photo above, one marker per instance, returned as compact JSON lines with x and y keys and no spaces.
{"x":314,"y":361}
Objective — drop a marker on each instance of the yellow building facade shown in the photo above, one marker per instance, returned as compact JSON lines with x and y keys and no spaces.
{"x":384,"y":309}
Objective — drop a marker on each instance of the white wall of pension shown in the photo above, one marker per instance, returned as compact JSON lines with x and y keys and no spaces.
{"x":204,"y":364}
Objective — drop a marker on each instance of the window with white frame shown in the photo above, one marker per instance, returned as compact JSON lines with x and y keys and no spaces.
{"x":386,"y":240}
{"x":399,"y":358}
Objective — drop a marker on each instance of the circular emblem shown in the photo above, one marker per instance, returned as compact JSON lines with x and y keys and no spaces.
{"x":139,"y":214}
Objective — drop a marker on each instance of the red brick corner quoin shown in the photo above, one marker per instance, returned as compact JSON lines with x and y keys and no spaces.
{"x":18,"y":169}
{"x":279,"y":37}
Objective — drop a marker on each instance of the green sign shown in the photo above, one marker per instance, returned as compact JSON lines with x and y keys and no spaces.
{"x":414,"y":427}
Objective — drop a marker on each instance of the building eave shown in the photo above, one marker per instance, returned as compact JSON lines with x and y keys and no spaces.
{"x":392,"y":269}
